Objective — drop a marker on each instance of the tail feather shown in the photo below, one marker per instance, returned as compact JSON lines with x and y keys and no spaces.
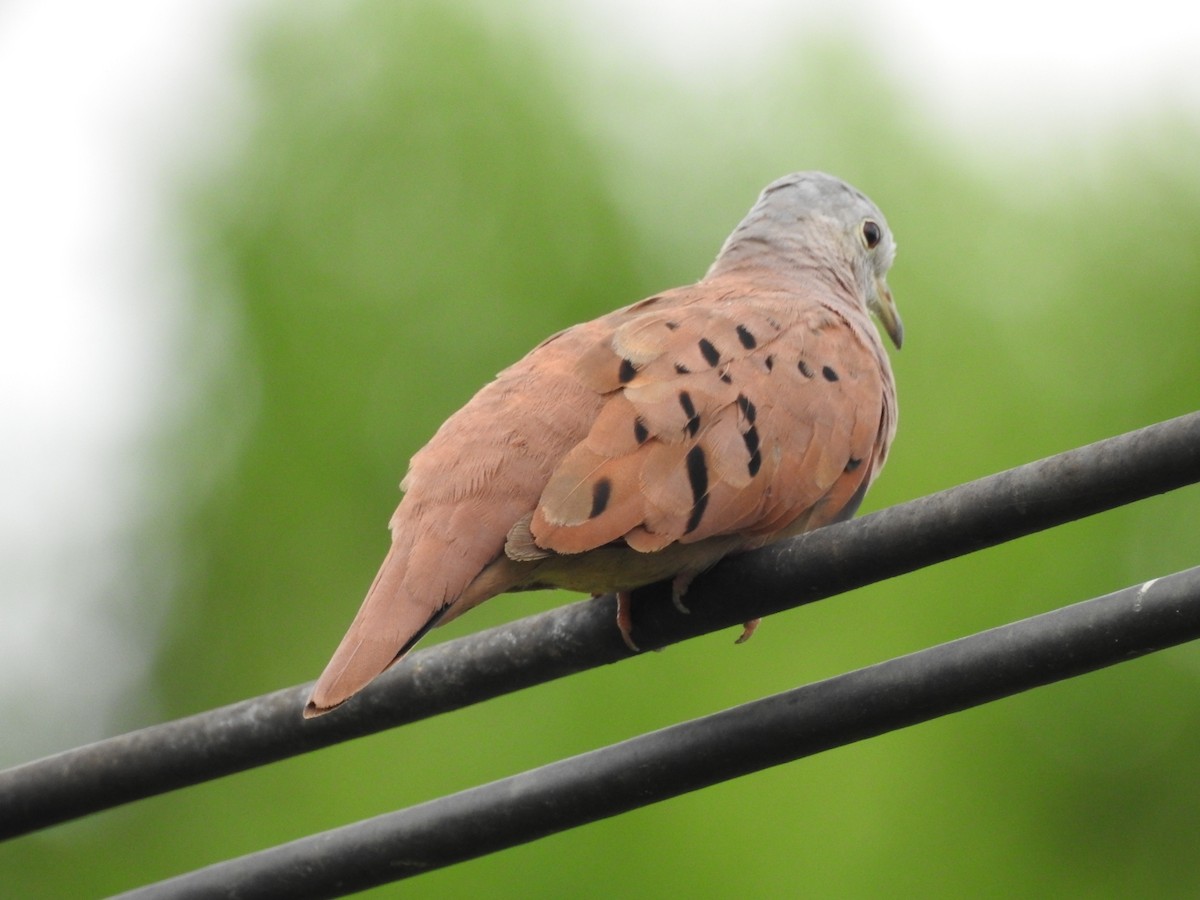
{"x":389,"y":622}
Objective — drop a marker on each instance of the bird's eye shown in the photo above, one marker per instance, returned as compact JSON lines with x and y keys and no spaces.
{"x":872,"y":234}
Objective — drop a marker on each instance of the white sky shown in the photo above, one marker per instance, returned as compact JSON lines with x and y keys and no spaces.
{"x":1030,"y":61}
{"x":98,"y":104}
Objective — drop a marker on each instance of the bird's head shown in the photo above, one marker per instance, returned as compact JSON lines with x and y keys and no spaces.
{"x":810,"y":220}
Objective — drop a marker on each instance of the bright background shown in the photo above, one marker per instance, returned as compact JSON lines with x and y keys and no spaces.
{"x":251,"y":254}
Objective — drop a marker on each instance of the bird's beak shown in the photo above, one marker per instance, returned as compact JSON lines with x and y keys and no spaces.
{"x":884,"y":306}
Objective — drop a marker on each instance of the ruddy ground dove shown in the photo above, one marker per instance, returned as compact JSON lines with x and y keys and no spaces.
{"x":651,"y":442}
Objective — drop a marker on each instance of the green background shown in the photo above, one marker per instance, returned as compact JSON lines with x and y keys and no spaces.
{"x":418,"y":197}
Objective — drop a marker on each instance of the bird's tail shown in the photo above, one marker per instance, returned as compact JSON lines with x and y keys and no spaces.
{"x":389,"y":622}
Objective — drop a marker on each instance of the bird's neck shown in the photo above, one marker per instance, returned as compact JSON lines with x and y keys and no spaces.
{"x":782,"y":262}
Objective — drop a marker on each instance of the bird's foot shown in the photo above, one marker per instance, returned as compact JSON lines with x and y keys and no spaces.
{"x":624,"y":621}
{"x":748,"y":630}
{"x":679,"y":586}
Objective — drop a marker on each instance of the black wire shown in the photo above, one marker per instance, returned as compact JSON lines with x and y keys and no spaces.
{"x":695,"y":754}
{"x":580,"y":636}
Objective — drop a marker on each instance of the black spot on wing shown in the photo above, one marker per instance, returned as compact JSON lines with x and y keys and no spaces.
{"x":746,"y":337}
{"x":853,"y":464}
{"x":804,"y":369}
{"x":626,"y":372}
{"x":689,"y":410}
{"x":697,"y":472}
{"x":681,"y":369}
{"x":601,"y":491}
{"x":752,"y":447}
{"x":710,"y":353}
{"x":770,"y":362}
{"x":746,"y":405}
{"x":829,"y":374}
{"x":640,"y":433}
{"x":727,"y":378}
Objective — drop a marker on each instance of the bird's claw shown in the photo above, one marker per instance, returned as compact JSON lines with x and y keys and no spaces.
{"x":679,"y":586}
{"x":625,"y":621}
{"x":748,"y":630}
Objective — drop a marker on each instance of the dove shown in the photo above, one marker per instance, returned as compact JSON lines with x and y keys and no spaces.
{"x":651,"y":442}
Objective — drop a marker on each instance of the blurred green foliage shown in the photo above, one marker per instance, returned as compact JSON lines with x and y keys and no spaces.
{"x":422,"y":197}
